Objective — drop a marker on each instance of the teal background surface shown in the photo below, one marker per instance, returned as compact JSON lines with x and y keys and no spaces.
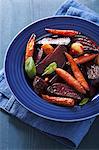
{"x":14,"y":135}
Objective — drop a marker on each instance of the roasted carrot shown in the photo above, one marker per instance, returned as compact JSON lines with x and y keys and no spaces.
{"x":47,"y":48}
{"x":59,"y":100}
{"x":69,"y":33}
{"x":30,"y":46}
{"x":77,"y":73}
{"x":70,"y":80}
{"x":85,"y":58}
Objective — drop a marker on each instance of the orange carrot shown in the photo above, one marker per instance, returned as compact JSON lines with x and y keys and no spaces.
{"x":59,"y":100}
{"x":70,"y":80}
{"x":85,"y":58}
{"x":47,"y":48}
{"x":30,"y":47}
{"x":69,"y":33}
{"x":77,"y":73}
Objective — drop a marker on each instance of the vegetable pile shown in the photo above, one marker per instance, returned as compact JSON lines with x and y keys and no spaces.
{"x":63,"y":68}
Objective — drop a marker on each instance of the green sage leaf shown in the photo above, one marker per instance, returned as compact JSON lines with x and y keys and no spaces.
{"x":51,"y":68}
{"x":30,"y":67}
{"x":84,"y":101}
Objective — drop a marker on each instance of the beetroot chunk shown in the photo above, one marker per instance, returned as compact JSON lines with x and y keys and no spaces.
{"x":57,"y":56}
{"x":60,"y":89}
{"x":39,"y":85}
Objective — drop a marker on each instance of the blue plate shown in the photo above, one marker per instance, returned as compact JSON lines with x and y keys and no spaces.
{"x":14,"y":71}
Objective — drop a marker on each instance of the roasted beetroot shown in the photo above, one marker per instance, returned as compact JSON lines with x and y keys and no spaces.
{"x":39,"y":85}
{"x":60,"y":89}
{"x":57,"y":56}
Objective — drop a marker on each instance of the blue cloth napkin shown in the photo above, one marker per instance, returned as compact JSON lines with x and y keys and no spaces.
{"x":69,"y":134}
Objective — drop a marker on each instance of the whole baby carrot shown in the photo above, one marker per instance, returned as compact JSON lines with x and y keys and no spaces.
{"x":70,"y":80}
{"x":85,"y":58}
{"x":69,"y":33}
{"x":59,"y":100}
{"x":30,"y":47}
{"x":77,"y":73}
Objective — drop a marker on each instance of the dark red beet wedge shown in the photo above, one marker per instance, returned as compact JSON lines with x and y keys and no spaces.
{"x":57,"y":56}
{"x":39,"y":85}
{"x":60,"y":89}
